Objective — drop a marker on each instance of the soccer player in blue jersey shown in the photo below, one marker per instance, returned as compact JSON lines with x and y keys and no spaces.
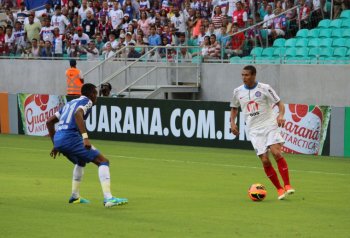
{"x":71,"y":139}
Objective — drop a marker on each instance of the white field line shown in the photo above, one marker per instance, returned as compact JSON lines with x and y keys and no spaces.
{"x":181,"y":161}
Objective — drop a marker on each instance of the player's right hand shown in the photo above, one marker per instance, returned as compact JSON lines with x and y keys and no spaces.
{"x":54,"y":153}
{"x":234,"y":129}
{"x":87,"y":144}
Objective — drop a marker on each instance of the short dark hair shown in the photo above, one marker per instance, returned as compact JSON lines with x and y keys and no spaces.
{"x":72,"y":62}
{"x":250,"y":68}
{"x":87,"y":89}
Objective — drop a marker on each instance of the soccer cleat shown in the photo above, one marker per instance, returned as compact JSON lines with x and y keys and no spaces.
{"x":289,"y":189}
{"x":78,"y":200}
{"x":281,"y":194}
{"x":114,"y":202}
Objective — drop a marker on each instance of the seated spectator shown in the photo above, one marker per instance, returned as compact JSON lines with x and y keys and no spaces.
{"x":214,"y":48}
{"x":223,"y":38}
{"x":92,"y":53}
{"x":237,"y":43}
{"x":211,"y":30}
{"x":201,"y":35}
{"x":35,"y":51}
{"x":133,"y":54}
{"x":99,"y":43}
{"x":105,"y":90}
{"x":163,"y":51}
{"x":108,"y":52}
{"x":112,"y":41}
{"x":279,"y":25}
{"x":46,"y":50}
{"x":140,"y":45}
{"x":204,"y":48}
{"x":184,"y":56}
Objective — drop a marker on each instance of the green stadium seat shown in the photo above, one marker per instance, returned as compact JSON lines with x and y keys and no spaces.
{"x":290,"y":52}
{"x":280,"y":42}
{"x":324,"y":23}
{"x":290,"y":43}
{"x":336,"y":23}
{"x":302,"y":33}
{"x":340,"y":52}
{"x":326,"y":52}
{"x":279,"y":52}
{"x":313,"y":33}
{"x":339,"y":42}
{"x":235,"y":60}
{"x":325,"y":33}
{"x":345,"y":14}
{"x":346,"y":33}
{"x":302,"y":42}
{"x":326,"y":42}
{"x":256,"y":51}
{"x":267,"y":52}
{"x":197,"y":59}
{"x":314,"y":52}
{"x":302,"y":52}
{"x":247,"y":60}
{"x":346,"y":24}
{"x":337,"y":33}
{"x":314,"y":42}
{"x":347,"y":44}
{"x":348,"y":52}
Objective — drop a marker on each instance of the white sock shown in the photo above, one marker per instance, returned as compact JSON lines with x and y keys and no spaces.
{"x":103,"y":173}
{"x":78,"y":173}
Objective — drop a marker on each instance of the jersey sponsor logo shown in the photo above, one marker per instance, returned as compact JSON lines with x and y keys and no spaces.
{"x":258,"y":94}
{"x":253,"y":108}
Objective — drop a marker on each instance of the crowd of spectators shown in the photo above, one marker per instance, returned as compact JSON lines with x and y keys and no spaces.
{"x":96,"y":29}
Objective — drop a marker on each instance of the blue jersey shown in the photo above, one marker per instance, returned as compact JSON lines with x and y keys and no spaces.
{"x":67,"y":124}
{"x":67,"y":139}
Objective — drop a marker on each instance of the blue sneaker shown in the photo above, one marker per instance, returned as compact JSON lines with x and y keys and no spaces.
{"x":78,"y":200}
{"x":114,"y":202}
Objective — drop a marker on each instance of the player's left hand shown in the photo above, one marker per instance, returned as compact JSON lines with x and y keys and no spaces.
{"x":281,"y":121}
{"x":54,"y":153}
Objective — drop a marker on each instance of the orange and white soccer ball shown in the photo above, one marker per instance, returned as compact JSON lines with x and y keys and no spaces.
{"x":257,"y":192}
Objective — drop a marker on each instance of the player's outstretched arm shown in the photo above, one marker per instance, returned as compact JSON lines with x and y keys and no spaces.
{"x":79,"y":120}
{"x":234,"y":127}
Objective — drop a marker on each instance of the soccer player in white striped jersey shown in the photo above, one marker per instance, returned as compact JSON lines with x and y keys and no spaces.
{"x":256,"y":101}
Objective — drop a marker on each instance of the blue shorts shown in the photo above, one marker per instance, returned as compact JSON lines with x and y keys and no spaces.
{"x":72,"y":146}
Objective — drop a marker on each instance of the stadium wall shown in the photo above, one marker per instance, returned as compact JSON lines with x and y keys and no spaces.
{"x":304,"y":84}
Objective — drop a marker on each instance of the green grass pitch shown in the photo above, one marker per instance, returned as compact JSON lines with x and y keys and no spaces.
{"x":173,"y":191}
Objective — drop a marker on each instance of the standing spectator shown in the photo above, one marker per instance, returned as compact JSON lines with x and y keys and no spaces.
{"x":153,"y":38}
{"x":144,"y":23}
{"x":211,"y":29}
{"x":279,"y":25}
{"x":46,"y":32}
{"x":268,"y":19}
{"x":74,"y":79}
{"x":205,"y":8}
{"x":89,"y":24}
{"x":204,"y":48}
{"x":10,"y":40}
{"x":81,"y":38}
{"x":22,"y":13}
{"x":178,"y":21}
{"x":32,"y":29}
{"x":58,"y":43}
{"x":223,"y":4}
{"x":105,"y":9}
{"x":256,"y":100}
{"x":19,"y":37}
{"x":240,"y":16}
{"x":72,"y":9}
{"x":104,"y":28}
{"x":263,"y":8}
{"x":145,"y":6}
{"x":59,"y":20}
{"x":304,"y":14}
{"x":83,"y":10}
{"x":217,"y":17}
{"x":116,"y":15}
{"x":184,"y":56}
{"x":129,"y":9}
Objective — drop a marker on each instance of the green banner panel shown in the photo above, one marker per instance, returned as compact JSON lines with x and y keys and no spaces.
{"x":347,"y":132}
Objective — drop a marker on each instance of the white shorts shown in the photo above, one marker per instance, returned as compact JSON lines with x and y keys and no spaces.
{"x":262,"y":138}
